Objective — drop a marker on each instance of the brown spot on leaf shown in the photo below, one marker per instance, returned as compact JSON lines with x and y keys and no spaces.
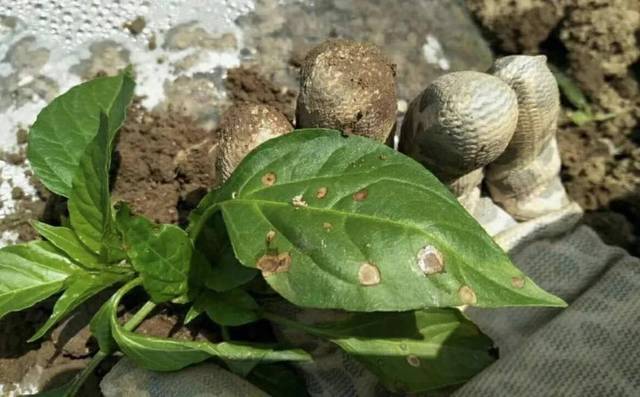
{"x":383,"y":157}
{"x":430,"y":260}
{"x":467,"y":295}
{"x":298,"y":201}
{"x":369,"y":274}
{"x":321,"y":193}
{"x":271,"y":263}
{"x":269,"y":179}
{"x":271,"y":235}
{"x":361,"y":195}
{"x":327,"y":226}
{"x":517,"y":282}
{"x":413,"y":360}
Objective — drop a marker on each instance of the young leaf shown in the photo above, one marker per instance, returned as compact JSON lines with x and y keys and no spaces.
{"x":162,"y":354}
{"x":30,"y":273}
{"x":412,"y":351}
{"x":65,"y":127}
{"x":230,"y":308}
{"x":66,"y":240}
{"x":81,"y":286}
{"x":160,"y":253}
{"x":89,"y":200}
{"x":349,"y":223}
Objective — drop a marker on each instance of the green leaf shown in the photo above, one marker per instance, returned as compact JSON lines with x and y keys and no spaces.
{"x":570,"y":90}
{"x":100,"y":326}
{"x":225,"y":272}
{"x":67,"y":241}
{"x":230,"y":308}
{"x":63,"y":129}
{"x":90,"y":201}
{"x":81,"y":286}
{"x":412,"y":351}
{"x":161,"y":354}
{"x":349,"y":223}
{"x":160,"y":253}
{"x":279,"y":380}
{"x":30,"y":273}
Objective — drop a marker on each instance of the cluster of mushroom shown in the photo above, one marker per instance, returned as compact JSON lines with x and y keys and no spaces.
{"x":467,"y":126}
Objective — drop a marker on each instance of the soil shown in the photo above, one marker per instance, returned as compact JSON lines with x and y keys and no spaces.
{"x":247,"y":85}
{"x":596,"y":43}
{"x":164,"y":164}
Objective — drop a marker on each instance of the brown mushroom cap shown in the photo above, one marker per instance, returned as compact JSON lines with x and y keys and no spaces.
{"x":348,"y":86}
{"x":243,"y":127}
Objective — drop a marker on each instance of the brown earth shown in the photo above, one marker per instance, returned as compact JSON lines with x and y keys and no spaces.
{"x":596,"y":43}
{"x":247,"y":85}
{"x":164,"y":164}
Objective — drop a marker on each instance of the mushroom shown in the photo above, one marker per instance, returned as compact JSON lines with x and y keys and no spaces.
{"x":348,"y":86}
{"x":460,"y":123}
{"x":525,"y":179}
{"x":243,"y":127}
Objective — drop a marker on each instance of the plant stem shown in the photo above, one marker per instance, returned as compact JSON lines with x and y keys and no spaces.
{"x":139,"y":316}
{"x":100,"y":356}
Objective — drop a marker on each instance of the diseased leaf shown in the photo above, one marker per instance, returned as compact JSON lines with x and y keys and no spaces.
{"x":160,"y":253}
{"x":349,"y":223}
{"x":81,"y":286}
{"x":63,"y":129}
{"x":90,"y":201}
{"x":412,"y":351}
{"x":30,"y":273}
{"x":161,"y":354}
{"x":66,"y":240}
{"x":230,"y":308}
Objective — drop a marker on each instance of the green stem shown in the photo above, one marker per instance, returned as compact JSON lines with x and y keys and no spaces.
{"x":139,"y":316}
{"x":130,"y":325}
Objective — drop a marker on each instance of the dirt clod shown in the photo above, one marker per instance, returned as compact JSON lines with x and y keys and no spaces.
{"x":136,"y":26}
